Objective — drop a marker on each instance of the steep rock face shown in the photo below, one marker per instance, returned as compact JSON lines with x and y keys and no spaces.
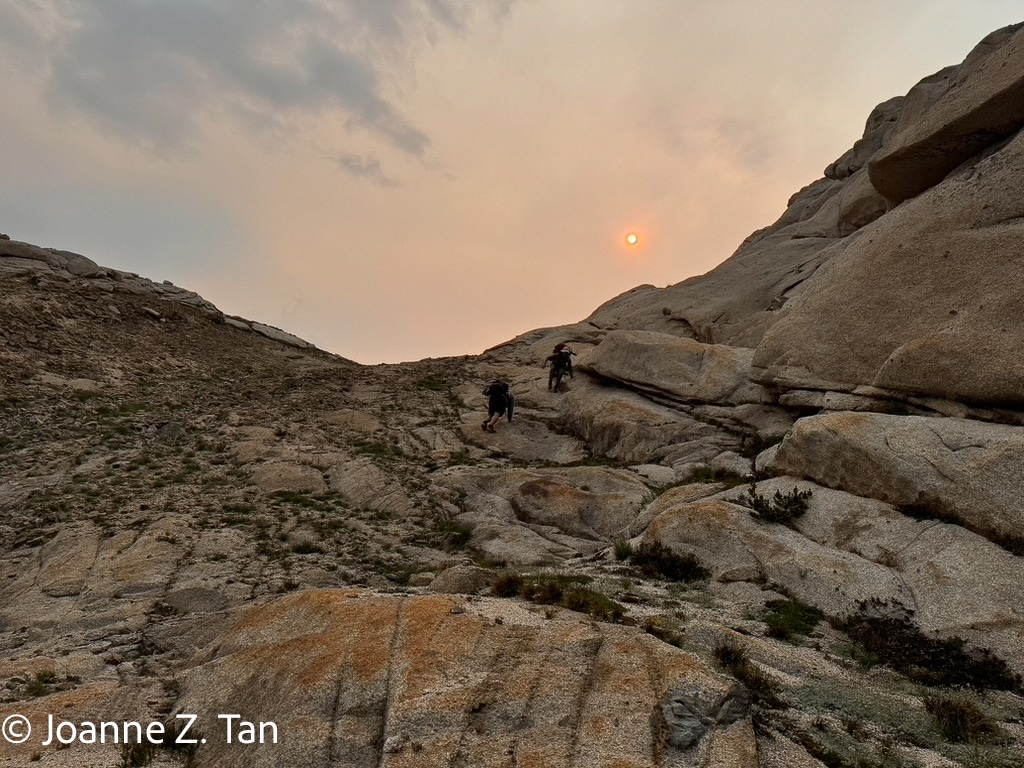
{"x":842,"y":292}
{"x":953,"y":116}
{"x":923,"y":302}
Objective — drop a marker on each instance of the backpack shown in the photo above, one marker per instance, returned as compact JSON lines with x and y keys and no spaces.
{"x":511,"y":400}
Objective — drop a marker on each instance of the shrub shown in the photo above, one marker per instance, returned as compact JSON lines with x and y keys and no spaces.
{"x":790,"y":619}
{"x":887,"y":632}
{"x":780,"y":508}
{"x":623,"y":550}
{"x":508,"y":585}
{"x":565,"y":591}
{"x":456,"y":534}
{"x":958,"y":717}
{"x":656,"y":560}
{"x":729,"y":655}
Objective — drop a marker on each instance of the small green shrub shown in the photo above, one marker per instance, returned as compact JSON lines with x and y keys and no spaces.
{"x":780,"y":508}
{"x":623,"y":550}
{"x":508,"y":585}
{"x":729,"y":655}
{"x":655,"y":560}
{"x":456,"y":534}
{"x":790,"y":619}
{"x":958,"y":717}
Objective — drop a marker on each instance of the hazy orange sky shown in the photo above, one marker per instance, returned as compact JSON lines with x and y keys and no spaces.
{"x":399,"y":179}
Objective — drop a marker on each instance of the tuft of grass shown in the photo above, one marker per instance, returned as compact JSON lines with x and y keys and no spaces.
{"x":958,"y":717}
{"x":623,"y":550}
{"x":790,"y":619}
{"x":763,"y":690}
{"x":655,"y":560}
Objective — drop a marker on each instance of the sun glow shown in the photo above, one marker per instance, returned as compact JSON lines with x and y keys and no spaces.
{"x":632,"y":238}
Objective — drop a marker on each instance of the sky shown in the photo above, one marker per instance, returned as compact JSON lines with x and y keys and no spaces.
{"x":399,"y":179}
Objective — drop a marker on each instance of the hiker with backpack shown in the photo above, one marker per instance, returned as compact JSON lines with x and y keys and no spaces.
{"x":499,"y":402}
{"x":561,"y":365}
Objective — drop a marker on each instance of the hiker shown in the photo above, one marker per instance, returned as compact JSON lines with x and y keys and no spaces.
{"x":499,"y":401}
{"x":561,"y":365}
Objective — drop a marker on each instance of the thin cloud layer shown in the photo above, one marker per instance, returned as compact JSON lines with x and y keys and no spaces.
{"x":151,"y":70}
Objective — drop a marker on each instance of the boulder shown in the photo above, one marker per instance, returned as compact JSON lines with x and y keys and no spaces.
{"x":924,"y":301}
{"x":277,"y":476}
{"x":542,"y":516}
{"x":965,"y":110}
{"x":968,"y":471}
{"x":461,"y":579}
{"x":734,"y":546}
{"x":626,"y":426}
{"x":680,"y":368}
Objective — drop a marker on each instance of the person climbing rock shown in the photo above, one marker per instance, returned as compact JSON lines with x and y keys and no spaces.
{"x":499,"y":401}
{"x":560,"y":361}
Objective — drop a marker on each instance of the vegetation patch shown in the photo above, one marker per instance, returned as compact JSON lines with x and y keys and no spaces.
{"x":781,"y":508}
{"x":790,"y":619}
{"x":958,"y":717}
{"x":456,"y":535}
{"x":887,"y":632}
{"x":566,"y":591}
{"x":763,"y":690}
{"x":623,"y":550}
{"x":655,"y":560}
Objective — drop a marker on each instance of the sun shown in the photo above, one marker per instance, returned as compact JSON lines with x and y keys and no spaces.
{"x":632,"y":238}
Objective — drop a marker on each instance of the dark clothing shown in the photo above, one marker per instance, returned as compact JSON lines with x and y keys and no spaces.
{"x":498,"y":396}
{"x":561,"y":362}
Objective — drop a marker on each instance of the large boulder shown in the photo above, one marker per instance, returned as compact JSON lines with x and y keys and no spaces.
{"x":627,"y":426}
{"x":925,"y":301}
{"x":735,"y":547}
{"x":949,"y":468}
{"x":544,"y":516}
{"x":680,"y":368}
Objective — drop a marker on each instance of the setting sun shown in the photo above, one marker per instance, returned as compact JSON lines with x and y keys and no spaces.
{"x":632,"y":239}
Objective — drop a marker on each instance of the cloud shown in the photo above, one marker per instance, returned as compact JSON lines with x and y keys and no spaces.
{"x":151,"y":70}
{"x":365,"y":167}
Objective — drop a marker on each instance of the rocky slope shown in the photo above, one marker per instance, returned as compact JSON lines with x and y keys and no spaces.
{"x":773,"y":521}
